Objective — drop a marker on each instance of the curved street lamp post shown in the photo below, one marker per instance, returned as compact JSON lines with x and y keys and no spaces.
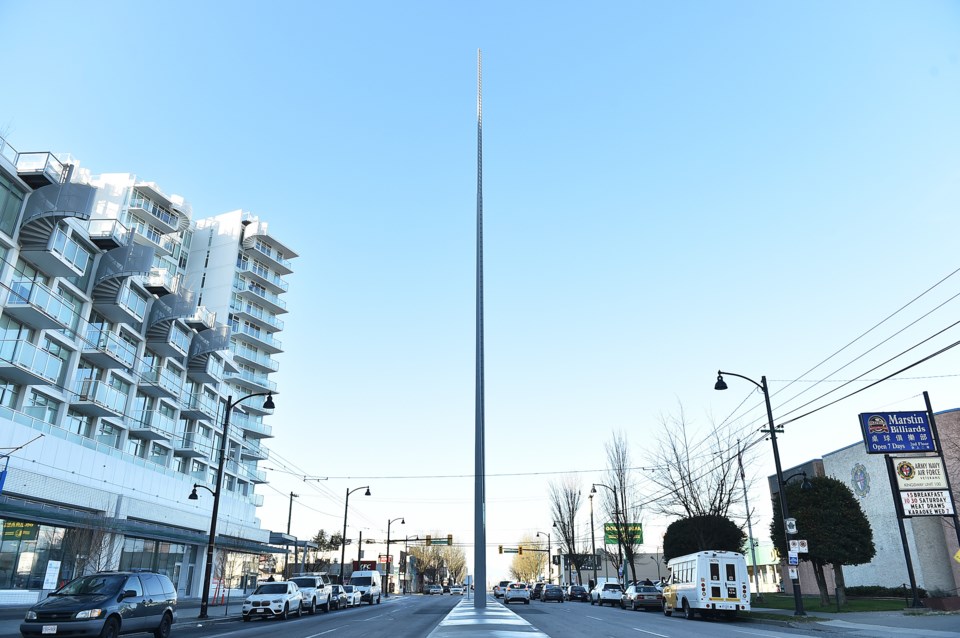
{"x":781,"y":492}
{"x":208,"y":571}
{"x":386,"y":566}
{"x":343,"y":539}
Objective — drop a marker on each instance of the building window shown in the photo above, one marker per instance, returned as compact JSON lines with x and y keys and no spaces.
{"x":42,"y":407}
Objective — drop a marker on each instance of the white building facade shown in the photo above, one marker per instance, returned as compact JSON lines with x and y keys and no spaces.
{"x":126,"y":328}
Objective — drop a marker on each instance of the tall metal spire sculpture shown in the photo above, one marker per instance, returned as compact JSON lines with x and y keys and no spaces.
{"x":480,"y":520}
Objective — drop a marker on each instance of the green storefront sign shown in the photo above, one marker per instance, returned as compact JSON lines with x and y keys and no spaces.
{"x":632,"y":533}
{"x":20,"y":531}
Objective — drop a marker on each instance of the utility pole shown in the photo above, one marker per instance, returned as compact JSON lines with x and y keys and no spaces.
{"x":289,"y":518}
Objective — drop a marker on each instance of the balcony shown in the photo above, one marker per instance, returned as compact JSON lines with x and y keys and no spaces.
{"x":163,"y":219}
{"x":252,"y":428}
{"x":161,"y":282}
{"x":108,"y":350}
{"x":262,"y":252}
{"x":160,"y":383}
{"x":259,"y":339}
{"x":263,"y":276}
{"x":256,"y":500}
{"x":151,"y":425}
{"x":126,"y":306}
{"x":193,"y":446}
{"x":96,"y":398}
{"x":252,"y":450}
{"x":198,"y":406}
{"x":250,"y":312}
{"x":37,"y":306}
{"x":254,"y":476}
{"x":251,"y":292}
{"x":246,"y":355}
{"x":108,"y":234}
{"x":26,"y":363}
{"x":252,"y":382}
{"x":173,"y":342}
{"x":146,"y":235}
{"x":201,"y":319}
{"x":39,"y":169}
{"x":60,"y":255}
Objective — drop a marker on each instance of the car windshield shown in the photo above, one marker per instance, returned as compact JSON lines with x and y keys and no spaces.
{"x":610,"y":586}
{"x":648,"y":589}
{"x":363,"y":581}
{"x":97,"y":584}
{"x":271,"y":588}
{"x":577,"y":589}
{"x":348,"y":589}
{"x":518,"y":586}
{"x":304,"y":582}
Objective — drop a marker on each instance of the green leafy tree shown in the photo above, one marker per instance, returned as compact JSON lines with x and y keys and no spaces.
{"x":699,"y":533}
{"x":830,"y":519}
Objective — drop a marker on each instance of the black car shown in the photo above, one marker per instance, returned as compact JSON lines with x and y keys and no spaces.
{"x":105,"y":605}
{"x":537,"y":589}
{"x":338,"y":597}
{"x":577,"y":592}
{"x":552,"y":592}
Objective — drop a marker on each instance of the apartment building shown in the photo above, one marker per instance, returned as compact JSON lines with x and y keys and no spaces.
{"x":126,"y":328}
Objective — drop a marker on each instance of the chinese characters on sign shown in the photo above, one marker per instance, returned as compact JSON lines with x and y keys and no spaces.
{"x":891,"y":432}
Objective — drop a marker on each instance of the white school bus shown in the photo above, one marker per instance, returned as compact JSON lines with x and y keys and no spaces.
{"x":711,"y":583}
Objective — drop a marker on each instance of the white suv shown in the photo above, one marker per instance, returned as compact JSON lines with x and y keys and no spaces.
{"x":516,"y":592}
{"x":606,"y":593}
{"x":316,"y":589}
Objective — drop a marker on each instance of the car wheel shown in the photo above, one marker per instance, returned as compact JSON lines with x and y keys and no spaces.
{"x":526,"y":602}
{"x":286,"y":611}
{"x":688,"y":612}
{"x":666,"y":612}
{"x":326,"y":607}
{"x":111,"y":629}
{"x":622,"y":605}
{"x":246,"y":619}
{"x":300,"y":610}
{"x":378,"y":599}
{"x":633,"y":606}
{"x":313,"y":606}
{"x":163,"y":630}
{"x":591,"y":602}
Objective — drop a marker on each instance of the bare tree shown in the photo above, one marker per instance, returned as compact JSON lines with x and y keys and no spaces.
{"x":618,"y":498}
{"x":565,"y":502}
{"x":455,"y":561}
{"x":89,"y":548}
{"x":529,"y":565}
{"x":701,"y":474}
{"x":428,"y":559}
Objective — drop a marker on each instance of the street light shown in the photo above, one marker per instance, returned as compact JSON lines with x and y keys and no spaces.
{"x":616,"y":518}
{"x":343,"y":539}
{"x":208,"y":571}
{"x":549,"y":552}
{"x":387,"y":569}
{"x":784,"y":510}
{"x":593,"y":540}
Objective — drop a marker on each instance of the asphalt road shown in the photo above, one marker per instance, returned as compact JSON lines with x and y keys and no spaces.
{"x":395,"y":616}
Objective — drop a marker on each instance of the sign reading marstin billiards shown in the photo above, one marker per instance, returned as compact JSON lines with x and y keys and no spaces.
{"x":889,"y":432}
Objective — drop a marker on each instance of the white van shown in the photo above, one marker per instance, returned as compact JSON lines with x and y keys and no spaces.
{"x":368,"y":582}
{"x":712,"y":582}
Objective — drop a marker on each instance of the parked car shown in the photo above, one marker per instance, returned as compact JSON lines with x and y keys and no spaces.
{"x":500,"y":588}
{"x":552,"y":592}
{"x":517,"y":592}
{"x":535,"y":594}
{"x":456,"y":590}
{"x":106,"y":604}
{"x":352,"y":596}
{"x":338,"y":597}
{"x":434,"y":589}
{"x":577,"y":592}
{"x":368,"y":583}
{"x":641,"y":596}
{"x":606,"y":594}
{"x":316,"y":590}
{"x":273,"y":600}
{"x":446,"y":589}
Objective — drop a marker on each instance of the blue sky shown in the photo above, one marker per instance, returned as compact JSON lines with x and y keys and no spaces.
{"x":670,"y":188}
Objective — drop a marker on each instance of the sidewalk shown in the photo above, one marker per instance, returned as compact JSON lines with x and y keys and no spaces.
{"x":916,"y":622}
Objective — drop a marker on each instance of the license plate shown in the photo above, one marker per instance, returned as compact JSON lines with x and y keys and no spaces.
{"x":261,"y":610}
{"x":49,"y":629}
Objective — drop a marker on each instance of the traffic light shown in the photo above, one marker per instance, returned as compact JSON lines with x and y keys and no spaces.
{"x":520,"y":550}
{"x":429,"y":542}
{"x":501,"y":549}
{"x":449,"y":539}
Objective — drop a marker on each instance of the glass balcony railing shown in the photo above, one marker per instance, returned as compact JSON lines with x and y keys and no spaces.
{"x":202,"y":444}
{"x":8,"y":152}
{"x":44,"y":163}
{"x":269,"y":252}
{"x":260,"y":335}
{"x":163,"y":215}
{"x":153,"y":420}
{"x":202,"y":403}
{"x":266,"y":275}
{"x":32,"y":358}
{"x":263,"y":294}
{"x":162,"y":278}
{"x":108,"y":229}
{"x":256,"y":357}
{"x":164,"y":378}
{"x":69,"y":250}
{"x":36,"y":294}
{"x":259,"y":313}
{"x":102,"y":394}
{"x":259,"y":380}
{"x":111,"y":342}
{"x":133,"y":302}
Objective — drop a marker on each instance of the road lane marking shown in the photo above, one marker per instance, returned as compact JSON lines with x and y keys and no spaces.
{"x":595,"y":618}
{"x":769,"y":634}
{"x":652,"y":633}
